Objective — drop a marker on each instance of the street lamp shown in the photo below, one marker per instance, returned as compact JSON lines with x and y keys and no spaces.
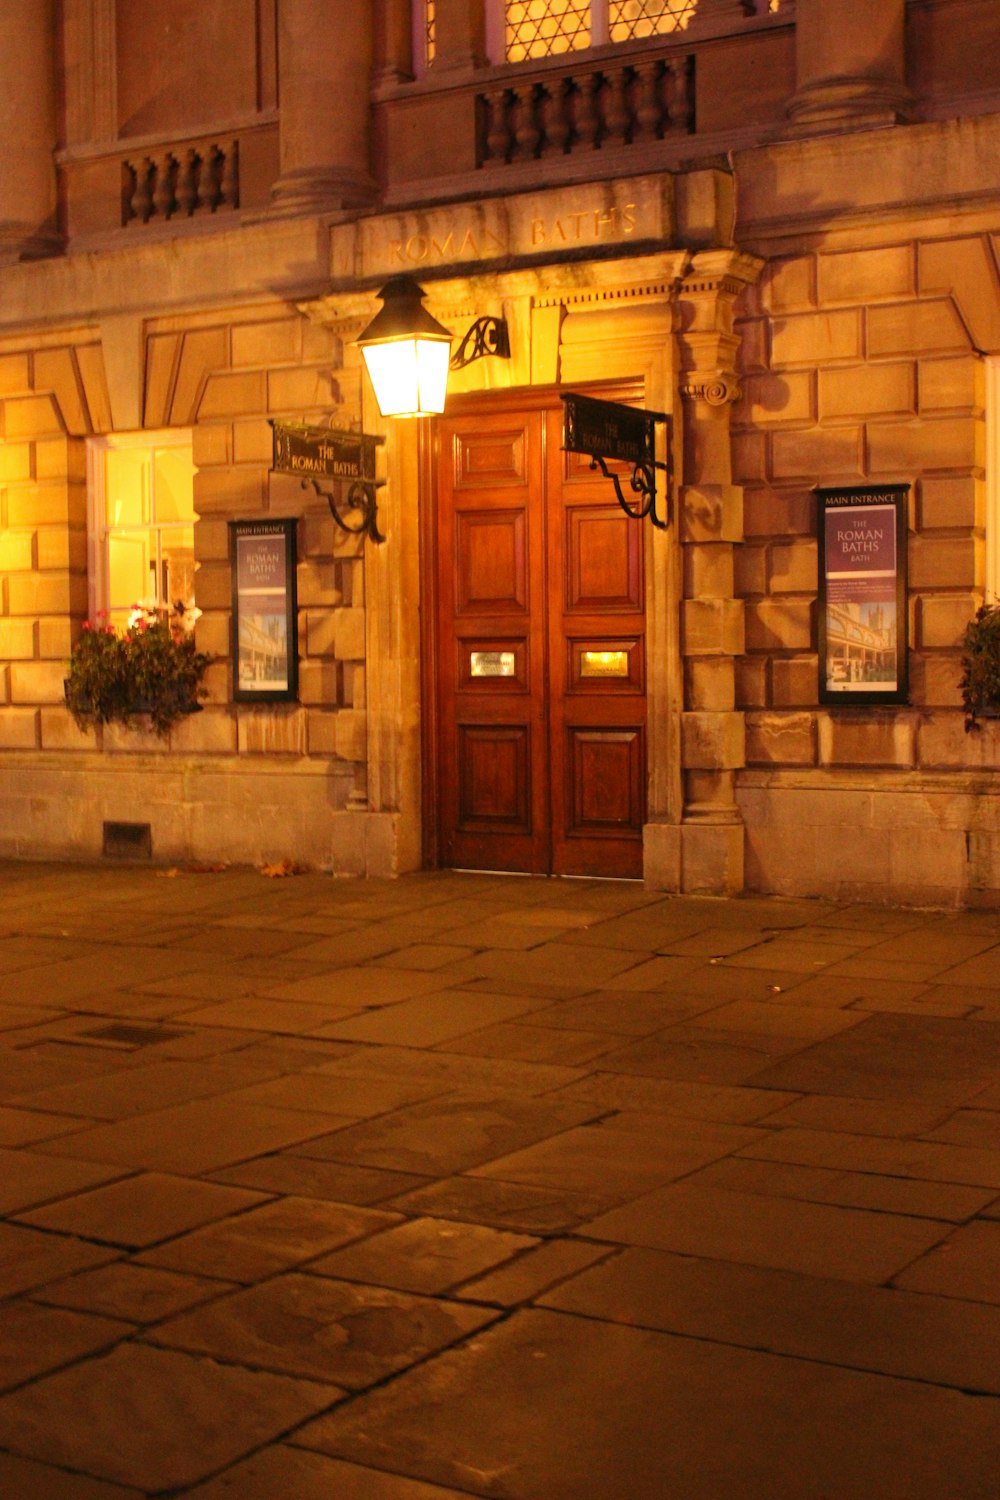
{"x":408,"y":353}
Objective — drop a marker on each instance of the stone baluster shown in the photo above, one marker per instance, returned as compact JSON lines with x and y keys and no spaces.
{"x":324,"y":129}
{"x":586,"y":119}
{"x":526,"y":132}
{"x":648,"y":105}
{"x":142,"y":197}
{"x":187,"y":184}
{"x":28,"y":129}
{"x":850,"y":65}
{"x":556,"y":124}
{"x":498,"y":132}
{"x":616,"y":114}
{"x":208,"y":180}
{"x":679,"y":101}
{"x":229,"y":181}
{"x":163,"y":191}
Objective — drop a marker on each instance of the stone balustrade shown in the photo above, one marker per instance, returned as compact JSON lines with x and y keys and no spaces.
{"x":583,"y":108}
{"x":180,"y":181}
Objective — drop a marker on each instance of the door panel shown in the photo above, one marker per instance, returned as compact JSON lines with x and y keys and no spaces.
{"x":540,"y":687}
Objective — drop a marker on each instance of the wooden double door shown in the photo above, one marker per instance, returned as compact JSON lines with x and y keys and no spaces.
{"x":538,"y":724}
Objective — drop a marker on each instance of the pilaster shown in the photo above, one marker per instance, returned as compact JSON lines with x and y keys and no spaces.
{"x":711,"y":523}
{"x":850,"y":65}
{"x":460,"y":35}
{"x":28,"y":129}
{"x":325,"y":76}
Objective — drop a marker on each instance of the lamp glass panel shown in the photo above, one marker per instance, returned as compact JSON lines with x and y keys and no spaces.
{"x":409,"y":375}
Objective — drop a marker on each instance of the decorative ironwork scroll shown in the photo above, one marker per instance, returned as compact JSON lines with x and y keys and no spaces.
{"x":610,"y":430}
{"x":313,"y":454}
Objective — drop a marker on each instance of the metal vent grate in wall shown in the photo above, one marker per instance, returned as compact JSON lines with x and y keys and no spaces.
{"x":128,"y":841}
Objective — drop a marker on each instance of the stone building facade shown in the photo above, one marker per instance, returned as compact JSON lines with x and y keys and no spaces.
{"x":776,"y":223}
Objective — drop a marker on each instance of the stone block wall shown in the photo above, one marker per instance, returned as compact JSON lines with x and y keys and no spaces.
{"x":861,"y":366}
{"x":224,"y":380}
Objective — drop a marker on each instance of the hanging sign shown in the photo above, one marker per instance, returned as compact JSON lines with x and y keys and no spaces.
{"x":264,"y":646}
{"x":323,"y":452}
{"x":606,"y":430}
{"x":314,"y":454}
{"x":862,"y":618}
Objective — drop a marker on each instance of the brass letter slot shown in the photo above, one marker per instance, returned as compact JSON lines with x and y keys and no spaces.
{"x":491,"y":663}
{"x":603,"y":663}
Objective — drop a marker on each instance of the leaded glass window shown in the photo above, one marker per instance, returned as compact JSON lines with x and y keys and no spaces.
{"x":630,"y":20}
{"x":543,"y":28}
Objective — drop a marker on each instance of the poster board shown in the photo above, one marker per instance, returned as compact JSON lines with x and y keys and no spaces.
{"x":862,"y":587}
{"x":264,"y":631}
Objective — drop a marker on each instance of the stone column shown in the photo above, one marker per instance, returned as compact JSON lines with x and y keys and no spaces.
{"x":28,"y":130}
{"x":711,"y":522}
{"x":324,"y":83}
{"x":460,"y":35}
{"x":393,"y":43}
{"x":850,"y":62}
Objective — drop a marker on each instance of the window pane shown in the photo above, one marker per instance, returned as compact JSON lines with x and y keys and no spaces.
{"x":131,"y":569}
{"x":630,"y":20}
{"x":173,"y":485}
{"x":177,"y":568}
{"x":127,"y":487}
{"x":542,"y":28}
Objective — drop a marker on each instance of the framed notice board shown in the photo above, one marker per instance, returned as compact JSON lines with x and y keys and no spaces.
{"x":264,"y":637}
{"x":862,"y":605}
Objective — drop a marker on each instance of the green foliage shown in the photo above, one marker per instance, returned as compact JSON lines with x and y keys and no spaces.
{"x":151,"y":668}
{"x":980,"y":683}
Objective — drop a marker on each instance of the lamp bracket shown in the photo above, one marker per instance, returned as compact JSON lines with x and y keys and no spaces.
{"x":486,"y":336}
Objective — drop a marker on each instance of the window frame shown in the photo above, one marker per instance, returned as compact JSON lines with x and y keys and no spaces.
{"x":98,"y":530}
{"x":992,"y":527}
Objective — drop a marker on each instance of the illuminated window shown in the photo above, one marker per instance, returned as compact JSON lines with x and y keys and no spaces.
{"x":629,"y":20}
{"x":543,"y":28}
{"x":430,"y":32}
{"x":141,"y":489}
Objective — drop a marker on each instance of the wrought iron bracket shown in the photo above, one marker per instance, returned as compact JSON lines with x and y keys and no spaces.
{"x":360,"y":500}
{"x":486,"y":336}
{"x":642,"y":482}
{"x":602,"y":430}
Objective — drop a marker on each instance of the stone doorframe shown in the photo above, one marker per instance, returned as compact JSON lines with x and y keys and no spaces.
{"x":667,"y":320}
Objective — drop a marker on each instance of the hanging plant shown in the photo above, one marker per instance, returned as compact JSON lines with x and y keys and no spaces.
{"x":980,"y":682}
{"x":152,"y":668}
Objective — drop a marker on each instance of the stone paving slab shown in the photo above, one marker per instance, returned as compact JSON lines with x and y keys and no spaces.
{"x":455,"y":1131}
{"x":862,"y":1328}
{"x":142,"y":1294}
{"x":268,"y":1239}
{"x":817,"y":1239}
{"x":142,"y":1210}
{"x":154,"y":1418}
{"x":27,"y":1178}
{"x":27,"y":1480}
{"x":424,"y":1255}
{"x":29,"y":1258}
{"x":298,"y":1474}
{"x":322,"y":1329}
{"x":34,"y":1340}
{"x":444,"y":1424}
{"x":611,"y":1193}
{"x":195,"y":1137}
